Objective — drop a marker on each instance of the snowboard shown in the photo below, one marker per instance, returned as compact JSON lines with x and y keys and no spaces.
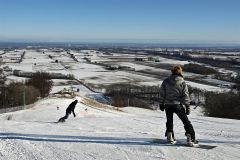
{"x":201,"y":146}
{"x":60,"y":121}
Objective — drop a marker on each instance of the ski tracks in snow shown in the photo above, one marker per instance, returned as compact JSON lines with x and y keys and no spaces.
{"x":11,"y":149}
{"x":26,"y":150}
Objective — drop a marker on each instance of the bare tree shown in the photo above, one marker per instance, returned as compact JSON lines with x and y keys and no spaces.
{"x":42,"y":82}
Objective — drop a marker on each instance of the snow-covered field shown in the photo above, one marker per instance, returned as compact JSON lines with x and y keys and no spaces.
{"x":106,"y":134}
{"x":90,"y":73}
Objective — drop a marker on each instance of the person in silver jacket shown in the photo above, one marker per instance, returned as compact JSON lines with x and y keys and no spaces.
{"x":174,"y":98}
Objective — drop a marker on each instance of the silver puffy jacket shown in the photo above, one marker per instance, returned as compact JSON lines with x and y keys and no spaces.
{"x":174,"y":91}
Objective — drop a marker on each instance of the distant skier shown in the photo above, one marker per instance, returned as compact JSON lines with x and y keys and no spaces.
{"x":70,"y":109}
{"x":174,"y":98}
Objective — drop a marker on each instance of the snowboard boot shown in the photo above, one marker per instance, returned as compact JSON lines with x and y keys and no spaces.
{"x":61,"y":120}
{"x":170,"y":138}
{"x":191,"y":142}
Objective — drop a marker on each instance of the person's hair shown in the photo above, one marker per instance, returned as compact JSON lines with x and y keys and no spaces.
{"x":177,"y":70}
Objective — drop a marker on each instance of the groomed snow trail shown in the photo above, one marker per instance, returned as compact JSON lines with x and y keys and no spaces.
{"x":108,"y":135}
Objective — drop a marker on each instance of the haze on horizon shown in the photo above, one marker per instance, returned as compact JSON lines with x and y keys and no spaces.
{"x":161,"y":21}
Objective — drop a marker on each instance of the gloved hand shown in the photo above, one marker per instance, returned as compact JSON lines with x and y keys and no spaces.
{"x":187,"y":109}
{"x":162,"y":106}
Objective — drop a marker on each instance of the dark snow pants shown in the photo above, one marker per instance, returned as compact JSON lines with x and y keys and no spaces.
{"x":180,"y":111}
{"x":65,"y":117}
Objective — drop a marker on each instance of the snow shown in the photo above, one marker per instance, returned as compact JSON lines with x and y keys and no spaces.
{"x":171,"y":61}
{"x":82,"y":90}
{"x":207,"y":87}
{"x":90,"y":73}
{"x":104,"y":133}
{"x":15,"y":79}
{"x":218,"y":82}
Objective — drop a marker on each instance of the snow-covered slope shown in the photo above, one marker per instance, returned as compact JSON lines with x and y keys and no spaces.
{"x":106,"y":134}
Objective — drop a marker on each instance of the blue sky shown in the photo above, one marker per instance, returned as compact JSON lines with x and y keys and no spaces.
{"x":160,"y":21}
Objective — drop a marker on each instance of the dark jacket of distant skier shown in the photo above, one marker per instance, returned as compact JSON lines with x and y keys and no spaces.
{"x":174,"y":98}
{"x":69,"y":110}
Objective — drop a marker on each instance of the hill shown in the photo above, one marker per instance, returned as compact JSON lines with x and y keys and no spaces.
{"x":105,"y":133}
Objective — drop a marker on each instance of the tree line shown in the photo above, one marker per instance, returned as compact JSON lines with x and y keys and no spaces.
{"x":24,"y":93}
{"x":224,"y":105}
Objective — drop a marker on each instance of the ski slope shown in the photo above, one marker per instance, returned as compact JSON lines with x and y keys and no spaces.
{"x":107,"y":134}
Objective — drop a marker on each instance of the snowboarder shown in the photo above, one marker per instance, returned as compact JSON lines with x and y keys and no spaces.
{"x":69,"y":109}
{"x":174,"y":98}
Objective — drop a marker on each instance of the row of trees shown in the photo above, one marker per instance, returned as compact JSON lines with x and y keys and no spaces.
{"x":199,"y":69}
{"x":224,"y":105}
{"x":20,"y":93}
{"x":124,"y":95}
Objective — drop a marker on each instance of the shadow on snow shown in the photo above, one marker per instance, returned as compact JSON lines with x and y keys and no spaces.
{"x":92,"y":139}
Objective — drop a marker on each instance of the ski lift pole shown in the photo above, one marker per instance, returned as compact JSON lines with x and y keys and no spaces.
{"x":24,"y":94}
{"x":71,"y":80}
